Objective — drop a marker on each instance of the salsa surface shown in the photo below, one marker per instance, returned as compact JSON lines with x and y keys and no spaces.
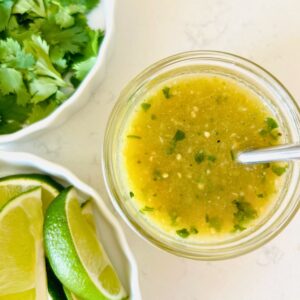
{"x":179,"y":150}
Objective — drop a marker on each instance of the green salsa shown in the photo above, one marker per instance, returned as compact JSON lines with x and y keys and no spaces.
{"x":179,"y":157}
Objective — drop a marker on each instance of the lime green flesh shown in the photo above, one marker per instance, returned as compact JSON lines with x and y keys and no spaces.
{"x":11,"y":186}
{"x":87,"y":211}
{"x":74,"y":252}
{"x":22,"y":266}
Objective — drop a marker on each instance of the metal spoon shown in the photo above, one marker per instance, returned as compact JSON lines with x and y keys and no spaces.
{"x":263,"y":155}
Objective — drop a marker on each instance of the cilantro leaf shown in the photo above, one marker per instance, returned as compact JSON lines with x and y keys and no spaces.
{"x":13,"y":55}
{"x":11,"y":80}
{"x":145,"y":106}
{"x":166,"y":92}
{"x":211,"y":158}
{"x":58,"y":59}
{"x":179,"y":136}
{"x":40,"y":111}
{"x":183,"y":233}
{"x":213,"y":222}
{"x":271,"y":124}
{"x":42,"y":88}
{"x":72,"y":39}
{"x":30,"y":6}
{"x":244,"y":212}
{"x":199,"y":157}
{"x":63,"y":18}
{"x":40,"y":50}
{"x":279,"y":170}
{"x":83,"y":68}
{"x":95,"y":39}
{"x":5,"y":12}
{"x":147,"y":209}
{"x":87,"y":4}
{"x":12,"y":116}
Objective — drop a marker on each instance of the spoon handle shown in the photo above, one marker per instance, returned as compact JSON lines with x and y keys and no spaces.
{"x":276,"y":153}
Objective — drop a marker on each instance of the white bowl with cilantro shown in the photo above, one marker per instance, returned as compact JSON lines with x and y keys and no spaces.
{"x":52,"y":55}
{"x":109,"y":230}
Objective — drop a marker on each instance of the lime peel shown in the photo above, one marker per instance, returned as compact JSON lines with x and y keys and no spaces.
{"x":64,"y":225}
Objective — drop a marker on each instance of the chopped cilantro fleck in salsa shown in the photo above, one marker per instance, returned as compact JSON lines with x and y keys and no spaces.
{"x":166,"y":92}
{"x":145,"y":106}
{"x":183,"y":233}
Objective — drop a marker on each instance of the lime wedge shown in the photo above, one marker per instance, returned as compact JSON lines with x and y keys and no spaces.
{"x":87,"y":212}
{"x":55,"y":288}
{"x":75,"y":254}
{"x":22,"y":265}
{"x":70,"y":296}
{"x":11,"y":186}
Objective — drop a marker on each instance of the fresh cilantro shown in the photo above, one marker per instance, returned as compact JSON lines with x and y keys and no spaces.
{"x":12,"y":116}
{"x":13,"y":56}
{"x":213,"y":222}
{"x":238,"y":227}
{"x":5,"y":12}
{"x":279,"y":170}
{"x":131,"y":194}
{"x":72,"y":40}
{"x":179,"y":136}
{"x":42,"y":89}
{"x":82,"y":68}
{"x":166,"y":92}
{"x":132,"y":136}
{"x":271,"y":129}
{"x":193,"y":230}
{"x":261,"y":195}
{"x":40,"y":111}
{"x":64,"y":18}
{"x":211,"y":158}
{"x":244,"y":212}
{"x":145,"y":106}
{"x":44,"y":67}
{"x":46,"y":49}
{"x":36,"y":7}
{"x":147,"y":209}
{"x":199,"y":157}
{"x":157,"y":175}
{"x":263,"y":132}
{"x":183,"y":233}
{"x":86,"y":4}
{"x":11,"y":81}
{"x":271,"y":124}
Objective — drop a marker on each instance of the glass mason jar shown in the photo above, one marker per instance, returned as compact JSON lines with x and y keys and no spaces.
{"x":245,"y":72}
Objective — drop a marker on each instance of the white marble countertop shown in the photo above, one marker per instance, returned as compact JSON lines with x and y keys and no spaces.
{"x":267,"y":32}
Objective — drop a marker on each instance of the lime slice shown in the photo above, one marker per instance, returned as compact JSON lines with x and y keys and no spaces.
{"x":22,"y":265}
{"x":75,"y":254}
{"x":12,"y":186}
{"x":55,"y":288}
{"x":87,"y":211}
{"x":69,"y":295}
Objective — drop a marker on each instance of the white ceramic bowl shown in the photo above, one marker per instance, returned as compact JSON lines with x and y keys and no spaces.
{"x":111,"y":234}
{"x":101,"y":17}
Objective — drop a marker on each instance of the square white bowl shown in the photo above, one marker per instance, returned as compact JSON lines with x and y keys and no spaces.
{"x":102,"y":17}
{"x":110,"y":231}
